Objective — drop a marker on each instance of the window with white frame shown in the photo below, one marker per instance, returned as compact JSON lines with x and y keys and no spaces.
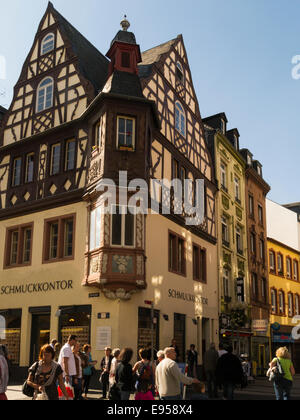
{"x":126,"y":133}
{"x":226,"y":279}
{"x":237,"y":189}
{"x":180,"y":119}
{"x":279,"y":264}
{"x":288,"y":268}
{"x":281,"y":302}
{"x":274,"y":301}
{"x":47,"y":44}
{"x":297,"y":306}
{"x":45,"y":94}
{"x":290,"y":303}
{"x":223,"y":174}
{"x":239,"y":240}
{"x":225,"y":231}
{"x":95,"y":229}
{"x":272,"y":260}
{"x":296,"y":270}
{"x":122,"y":226}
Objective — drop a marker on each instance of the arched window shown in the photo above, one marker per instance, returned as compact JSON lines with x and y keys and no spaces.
{"x":45,"y":94}
{"x":47,"y":44}
{"x":180,"y":120}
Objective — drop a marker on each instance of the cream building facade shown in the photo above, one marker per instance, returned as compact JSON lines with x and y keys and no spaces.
{"x":77,"y":118}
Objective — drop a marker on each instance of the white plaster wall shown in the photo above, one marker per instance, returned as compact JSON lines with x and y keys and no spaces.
{"x":283,"y":225}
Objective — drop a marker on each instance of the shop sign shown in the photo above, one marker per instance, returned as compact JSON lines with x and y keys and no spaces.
{"x":283,"y":338}
{"x":187,"y":297}
{"x":260,"y":325}
{"x":103,"y":338}
{"x":36,"y":287}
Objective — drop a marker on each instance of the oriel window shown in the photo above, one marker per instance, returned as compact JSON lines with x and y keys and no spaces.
{"x":29,"y":168}
{"x":126,"y":133}
{"x":16,"y":175}
{"x":122,"y":226}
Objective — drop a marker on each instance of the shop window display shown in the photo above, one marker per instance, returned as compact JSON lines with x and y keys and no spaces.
{"x":10,"y":333}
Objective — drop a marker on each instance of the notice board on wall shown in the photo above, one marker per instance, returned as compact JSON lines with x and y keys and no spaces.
{"x":103,"y":338}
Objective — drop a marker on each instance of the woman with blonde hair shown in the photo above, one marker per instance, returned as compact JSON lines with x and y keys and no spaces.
{"x":284,"y":385}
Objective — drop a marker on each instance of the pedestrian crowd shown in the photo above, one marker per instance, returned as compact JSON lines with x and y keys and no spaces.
{"x":65,"y":373}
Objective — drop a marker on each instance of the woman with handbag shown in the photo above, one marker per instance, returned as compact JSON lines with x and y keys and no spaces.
{"x":88,"y":370}
{"x":44,"y":375}
{"x":4,"y":375}
{"x":282,"y":370}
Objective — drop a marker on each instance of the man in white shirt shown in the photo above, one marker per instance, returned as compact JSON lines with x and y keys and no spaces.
{"x":66,"y":359}
{"x":168,"y":377}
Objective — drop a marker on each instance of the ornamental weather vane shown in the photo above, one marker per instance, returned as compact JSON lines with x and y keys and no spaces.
{"x":125,"y":24}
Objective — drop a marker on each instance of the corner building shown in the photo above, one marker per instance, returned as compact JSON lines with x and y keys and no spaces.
{"x":79,"y":117}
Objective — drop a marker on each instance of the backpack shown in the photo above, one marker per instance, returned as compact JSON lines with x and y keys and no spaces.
{"x":144,"y":375}
{"x":277,"y":373}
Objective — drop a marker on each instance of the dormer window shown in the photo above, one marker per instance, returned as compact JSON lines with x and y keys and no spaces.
{"x":235,"y":141}
{"x":223,"y":126}
{"x":45,"y":94}
{"x":47,"y":44}
{"x":179,"y":72}
{"x":180,"y":120}
{"x":249,"y":160}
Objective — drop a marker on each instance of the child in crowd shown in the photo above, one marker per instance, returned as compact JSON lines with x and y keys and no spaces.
{"x":144,"y":392}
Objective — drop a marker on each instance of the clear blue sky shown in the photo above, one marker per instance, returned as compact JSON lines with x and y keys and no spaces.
{"x":240,"y":53}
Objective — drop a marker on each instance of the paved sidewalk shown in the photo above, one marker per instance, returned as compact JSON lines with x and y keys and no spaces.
{"x":262,"y":389}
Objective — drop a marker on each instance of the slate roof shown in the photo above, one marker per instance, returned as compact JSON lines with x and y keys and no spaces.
{"x":124,"y":36}
{"x":2,"y":112}
{"x":152,"y":56}
{"x":93,"y":64}
{"x":123,"y":83}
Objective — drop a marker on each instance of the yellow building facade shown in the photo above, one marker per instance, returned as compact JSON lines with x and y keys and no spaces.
{"x":234,"y":291}
{"x":284,"y":263}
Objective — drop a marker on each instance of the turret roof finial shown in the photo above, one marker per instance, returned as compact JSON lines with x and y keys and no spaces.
{"x":125,"y":24}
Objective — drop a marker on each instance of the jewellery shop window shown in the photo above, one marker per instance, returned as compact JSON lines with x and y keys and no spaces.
{"x":75,"y":320}
{"x":10,"y":333}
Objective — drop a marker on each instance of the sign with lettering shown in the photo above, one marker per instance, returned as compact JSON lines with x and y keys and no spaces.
{"x":187,"y":297}
{"x":103,"y":338}
{"x":260,"y":325}
{"x":36,"y":287}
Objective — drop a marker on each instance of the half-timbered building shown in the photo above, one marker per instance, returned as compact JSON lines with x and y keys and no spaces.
{"x":78,"y":118}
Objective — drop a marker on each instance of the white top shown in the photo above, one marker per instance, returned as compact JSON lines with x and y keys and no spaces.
{"x":66,"y":351}
{"x":4,"y":375}
{"x":222,"y":352}
{"x":168,"y":378}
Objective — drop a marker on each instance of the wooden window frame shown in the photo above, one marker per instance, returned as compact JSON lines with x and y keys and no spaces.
{"x":67,"y":142}
{"x":13,"y":179}
{"x":260,"y":212}
{"x":223,"y":173}
{"x":26,"y":168}
{"x":20,"y":252}
{"x":61,"y":220}
{"x":51,"y":159}
{"x":180,"y":73}
{"x":251,"y":207}
{"x":175,"y":255}
{"x":201,"y":268}
{"x":134,"y":127}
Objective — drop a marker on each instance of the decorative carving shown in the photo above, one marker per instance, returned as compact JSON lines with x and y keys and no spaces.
{"x":119,"y":294}
{"x":122,"y":264}
{"x":140,"y":265}
{"x":95,"y":171}
{"x":139,"y":230}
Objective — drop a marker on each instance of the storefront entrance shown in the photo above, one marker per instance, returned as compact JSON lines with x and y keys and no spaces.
{"x":40,"y":334}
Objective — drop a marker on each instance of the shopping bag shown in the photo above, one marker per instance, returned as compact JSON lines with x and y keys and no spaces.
{"x":69,"y":389}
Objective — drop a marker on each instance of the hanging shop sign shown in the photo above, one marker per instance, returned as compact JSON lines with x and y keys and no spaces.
{"x":260,"y":325}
